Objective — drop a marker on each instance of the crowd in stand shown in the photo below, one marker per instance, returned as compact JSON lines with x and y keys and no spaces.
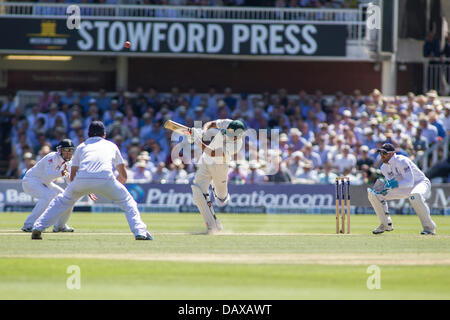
{"x":319,"y":138}
{"x":251,"y":3}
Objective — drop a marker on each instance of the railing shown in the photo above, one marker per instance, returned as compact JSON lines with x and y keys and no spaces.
{"x":438,"y":152}
{"x":436,"y":75}
{"x":187,"y":12}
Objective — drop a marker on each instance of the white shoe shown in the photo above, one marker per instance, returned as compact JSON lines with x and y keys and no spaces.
{"x":66,"y":228}
{"x":382,"y":228}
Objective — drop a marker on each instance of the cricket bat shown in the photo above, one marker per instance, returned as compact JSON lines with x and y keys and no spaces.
{"x":178,"y":128}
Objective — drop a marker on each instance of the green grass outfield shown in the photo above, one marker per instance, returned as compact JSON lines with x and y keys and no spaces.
{"x":256,"y":257}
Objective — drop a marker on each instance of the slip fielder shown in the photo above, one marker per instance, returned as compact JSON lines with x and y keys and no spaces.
{"x":38,"y":183}
{"x":403,"y":180}
{"x":212,"y":169}
{"x":92,"y":172}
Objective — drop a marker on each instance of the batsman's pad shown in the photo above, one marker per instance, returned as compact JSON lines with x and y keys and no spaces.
{"x":422,"y":210}
{"x":204,"y":205}
{"x":377,"y":206}
{"x":221,"y":202}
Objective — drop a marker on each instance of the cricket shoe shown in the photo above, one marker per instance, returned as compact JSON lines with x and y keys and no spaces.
{"x":36,"y":235}
{"x":382,"y":228}
{"x":427,"y":232}
{"x":66,"y":228}
{"x":27,"y":229}
{"x":148,"y":236}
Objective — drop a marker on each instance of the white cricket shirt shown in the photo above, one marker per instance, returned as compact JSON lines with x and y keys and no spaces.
{"x":48,"y":168}
{"x":220,"y":141}
{"x":96,"y":158}
{"x":403,"y":170}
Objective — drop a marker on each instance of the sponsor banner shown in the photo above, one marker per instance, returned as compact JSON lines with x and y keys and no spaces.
{"x":268,"y":199}
{"x":175,"y":37}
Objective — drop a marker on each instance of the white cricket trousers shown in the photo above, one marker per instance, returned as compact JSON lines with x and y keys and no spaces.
{"x":45,"y":193}
{"x":109,"y":188}
{"x":417,"y":197}
{"x":217,"y":173}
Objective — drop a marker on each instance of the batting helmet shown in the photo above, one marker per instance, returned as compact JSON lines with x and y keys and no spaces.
{"x":65,"y":145}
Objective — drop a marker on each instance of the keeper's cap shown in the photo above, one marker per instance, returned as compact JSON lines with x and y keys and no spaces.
{"x":387,"y":147}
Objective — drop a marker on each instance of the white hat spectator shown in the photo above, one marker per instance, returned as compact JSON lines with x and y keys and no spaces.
{"x":347,"y":113}
{"x":368,"y":131}
{"x":432,"y":94}
{"x":141,"y":164}
{"x":364,"y":148}
{"x":28,"y":155}
{"x":177,"y":162}
{"x":253,"y":164}
{"x":296,"y":132}
{"x":284,"y":137}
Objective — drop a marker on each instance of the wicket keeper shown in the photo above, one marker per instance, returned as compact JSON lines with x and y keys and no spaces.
{"x":403,"y":180}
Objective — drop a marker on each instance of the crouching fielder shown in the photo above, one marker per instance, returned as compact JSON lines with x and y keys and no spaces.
{"x":38,"y":183}
{"x":213,"y":167}
{"x":92,"y":172}
{"x":403,"y":180}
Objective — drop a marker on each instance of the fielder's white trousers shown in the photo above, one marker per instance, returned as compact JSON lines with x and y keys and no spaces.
{"x":45,"y":193}
{"x":108,"y":188}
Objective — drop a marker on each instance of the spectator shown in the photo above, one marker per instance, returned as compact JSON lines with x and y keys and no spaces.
{"x":69,"y":97}
{"x":111,"y":114}
{"x":161,"y":174}
{"x":364,"y":159}
{"x":429,"y":132}
{"x":255,"y":175}
{"x":434,"y":121}
{"x":29,"y":163}
{"x":282,"y":174}
{"x":44,"y":101}
{"x":229,"y":100}
{"x":307,"y":175}
{"x":420,"y":143}
{"x":142,"y":174}
{"x":431,"y":47}
{"x":311,"y":155}
{"x":103,"y":102}
{"x":327,"y":176}
{"x":177,"y":174}
{"x":236,"y":174}
{"x":345,"y":160}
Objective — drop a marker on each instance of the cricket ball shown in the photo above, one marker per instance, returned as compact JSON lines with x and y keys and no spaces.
{"x":127,"y":44}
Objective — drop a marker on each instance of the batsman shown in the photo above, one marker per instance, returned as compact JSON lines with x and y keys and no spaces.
{"x":226,"y":138}
{"x":403,"y":180}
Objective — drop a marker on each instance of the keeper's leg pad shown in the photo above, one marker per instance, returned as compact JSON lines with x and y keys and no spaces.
{"x":378,"y":207}
{"x":422,"y":210}
{"x":204,"y":205}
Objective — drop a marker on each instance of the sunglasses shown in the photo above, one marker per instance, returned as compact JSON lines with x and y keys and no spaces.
{"x":384,"y":152}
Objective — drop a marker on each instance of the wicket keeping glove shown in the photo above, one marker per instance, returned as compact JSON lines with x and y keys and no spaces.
{"x":391,"y":184}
